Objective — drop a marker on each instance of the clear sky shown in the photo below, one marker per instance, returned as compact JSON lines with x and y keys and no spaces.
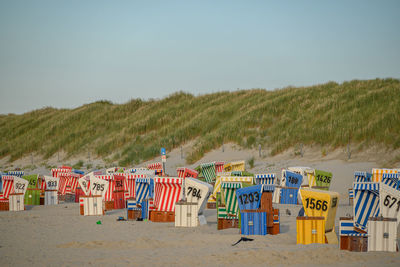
{"x":68,"y":53}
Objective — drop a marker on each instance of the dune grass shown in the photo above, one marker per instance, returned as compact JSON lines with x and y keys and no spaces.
{"x":362,"y":112}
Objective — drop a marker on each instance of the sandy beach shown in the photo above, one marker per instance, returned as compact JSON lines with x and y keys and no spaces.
{"x":58,"y":235}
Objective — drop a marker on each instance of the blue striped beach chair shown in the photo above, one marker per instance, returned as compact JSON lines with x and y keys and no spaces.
{"x":362,"y":177}
{"x":366,"y":204}
{"x":143,"y":188}
{"x":392,"y":180}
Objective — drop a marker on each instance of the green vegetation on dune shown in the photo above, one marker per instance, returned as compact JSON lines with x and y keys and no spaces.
{"x":366,"y":112}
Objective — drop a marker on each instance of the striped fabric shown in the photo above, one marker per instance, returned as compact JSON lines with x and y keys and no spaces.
{"x":366,"y":203}
{"x":74,"y":183}
{"x":231,"y":185}
{"x":346,"y":227}
{"x":367,"y":186}
{"x":129,"y":183}
{"x":132,"y":205}
{"x":362,"y":177}
{"x":186,"y":172}
{"x":208,"y":171}
{"x":16,"y":173}
{"x":392,"y":180}
{"x":8,"y":185}
{"x":266,"y":178}
{"x":155,"y":166}
{"x":377,"y":174}
{"x":220,"y":179}
{"x":167,"y":192}
{"x":181,"y":172}
{"x":268,"y":188}
{"x":142,"y":188}
{"x":219,"y":166}
{"x":109,"y":195}
{"x":221,"y":213}
{"x":42,"y":183}
{"x":229,"y":195}
{"x":56,"y":171}
{"x":311,"y":179}
{"x":351,"y":193}
{"x":64,"y":180}
{"x":69,"y":182}
{"x":237,"y":166}
{"x":151,"y":204}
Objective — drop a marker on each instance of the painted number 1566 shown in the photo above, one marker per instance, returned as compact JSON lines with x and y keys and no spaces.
{"x":312,"y":203}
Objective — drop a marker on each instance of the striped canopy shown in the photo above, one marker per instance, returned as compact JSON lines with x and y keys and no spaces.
{"x":186,"y":172}
{"x":167,"y":192}
{"x":373,"y":187}
{"x":16,"y":173}
{"x":208,"y":171}
{"x":362,"y":176}
{"x":268,"y":188}
{"x":143,"y":188}
{"x":219,"y":166}
{"x":266,"y":178}
{"x":229,"y":194}
{"x":221,"y":179}
{"x":377,"y":174}
{"x":366,"y":203}
{"x":8,"y":185}
{"x":155,"y":166}
{"x":392,"y":180}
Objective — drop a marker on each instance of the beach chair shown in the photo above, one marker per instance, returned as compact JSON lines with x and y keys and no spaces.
{"x":366,"y":204}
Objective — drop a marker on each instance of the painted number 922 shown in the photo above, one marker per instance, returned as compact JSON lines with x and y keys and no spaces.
{"x":249,"y":198}
{"x":19,"y":186}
